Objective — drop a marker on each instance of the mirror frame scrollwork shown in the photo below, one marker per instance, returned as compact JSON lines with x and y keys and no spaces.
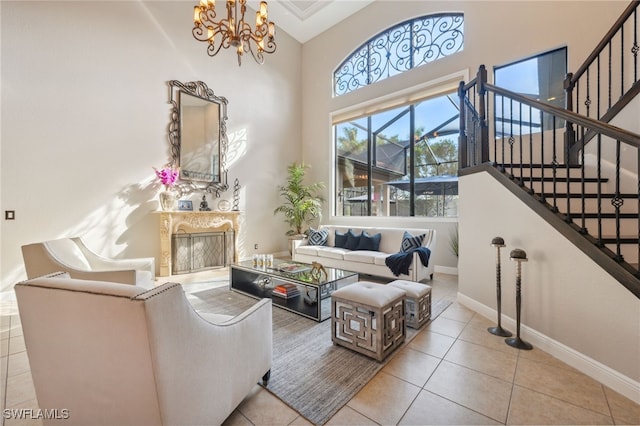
{"x":200,"y":90}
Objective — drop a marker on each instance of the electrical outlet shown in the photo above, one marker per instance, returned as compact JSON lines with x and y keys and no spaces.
{"x":9,"y":215}
{"x":255,"y":246}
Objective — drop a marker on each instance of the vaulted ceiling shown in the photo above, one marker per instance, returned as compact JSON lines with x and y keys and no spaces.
{"x":305,"y":19}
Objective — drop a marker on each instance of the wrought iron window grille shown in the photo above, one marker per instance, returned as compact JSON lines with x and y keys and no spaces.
{"x":408,"y":45}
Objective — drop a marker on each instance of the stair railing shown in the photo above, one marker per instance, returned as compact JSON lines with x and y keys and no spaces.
{"x":608,"y":79}
{"x":528,"y":140}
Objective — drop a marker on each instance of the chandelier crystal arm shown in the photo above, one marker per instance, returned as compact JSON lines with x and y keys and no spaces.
{"x":234,"y":30}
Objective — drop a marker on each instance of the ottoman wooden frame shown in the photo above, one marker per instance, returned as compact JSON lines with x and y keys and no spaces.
{"x":364,"y":325}
{"x":417,"y":302}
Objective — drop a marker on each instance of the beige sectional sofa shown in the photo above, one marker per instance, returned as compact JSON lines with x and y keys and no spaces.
{"x":368,"y":261}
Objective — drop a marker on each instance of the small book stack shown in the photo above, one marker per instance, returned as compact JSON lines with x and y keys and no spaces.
{"x":286,"y":291}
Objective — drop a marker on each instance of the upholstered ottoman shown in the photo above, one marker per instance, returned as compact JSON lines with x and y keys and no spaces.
{"x":417,"y":302}
{"x":368,"y":318}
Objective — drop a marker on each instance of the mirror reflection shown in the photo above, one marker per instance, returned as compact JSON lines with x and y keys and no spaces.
{"x":197,"y":134}
{"x":199,"y":139}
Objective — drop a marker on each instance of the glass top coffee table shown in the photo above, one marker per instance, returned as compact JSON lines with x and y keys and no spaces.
{"x":291,"y":285}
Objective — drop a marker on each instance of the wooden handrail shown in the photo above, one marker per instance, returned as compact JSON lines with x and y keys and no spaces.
{"x":605,"y":41}
{"x":600,"y":127}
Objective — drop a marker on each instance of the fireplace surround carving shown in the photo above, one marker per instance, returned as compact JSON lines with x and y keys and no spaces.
{"x":187,"y":222}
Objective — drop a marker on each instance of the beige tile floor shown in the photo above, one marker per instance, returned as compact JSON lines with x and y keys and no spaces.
{"x":452,"y":373}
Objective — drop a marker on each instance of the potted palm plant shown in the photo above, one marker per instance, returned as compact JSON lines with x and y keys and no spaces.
{"x":301,"y":203}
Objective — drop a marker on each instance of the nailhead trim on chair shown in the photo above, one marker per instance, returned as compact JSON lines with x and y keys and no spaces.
{"x":58,"y":274}
{"x":154,"y":291}
{"x":51,"y":275}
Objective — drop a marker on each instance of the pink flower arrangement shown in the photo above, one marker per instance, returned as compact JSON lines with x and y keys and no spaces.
{"x":168,"y":175}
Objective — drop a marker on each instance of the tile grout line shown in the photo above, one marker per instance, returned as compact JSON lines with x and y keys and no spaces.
{"x":513,"y":385}
{"x":421,"y":388}
{"x":606,"y":398}
{"x":462,"y":340}
{"x":443,"y":359}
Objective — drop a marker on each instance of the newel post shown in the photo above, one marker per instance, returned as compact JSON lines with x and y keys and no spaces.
{"x":482,"y":112}
{"x":462,"y":138}
{"x":569,"y":134}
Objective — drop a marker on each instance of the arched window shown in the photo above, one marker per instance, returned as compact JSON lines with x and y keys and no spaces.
{"x":407,"y":45}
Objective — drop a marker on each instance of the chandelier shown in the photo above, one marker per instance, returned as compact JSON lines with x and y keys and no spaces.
{"x":233,"y":31}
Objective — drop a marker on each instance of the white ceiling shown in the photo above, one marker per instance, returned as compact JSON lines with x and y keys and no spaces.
{"x":305,"y":19}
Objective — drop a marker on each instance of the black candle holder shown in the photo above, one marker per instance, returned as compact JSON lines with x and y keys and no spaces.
{"x":498,"y":243}
{"x":236,"y":195}
{"x":518,"y":256}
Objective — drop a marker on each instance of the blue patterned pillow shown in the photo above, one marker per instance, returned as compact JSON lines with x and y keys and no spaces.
{"x":341,"y":240}
{"x":352,"y":240}
{"x":368,"y":242}
{"x":319,"y":237}
{"x":409,"y":242}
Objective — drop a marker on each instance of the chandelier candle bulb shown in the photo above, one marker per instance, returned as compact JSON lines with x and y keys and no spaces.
{"x":196,"y":15}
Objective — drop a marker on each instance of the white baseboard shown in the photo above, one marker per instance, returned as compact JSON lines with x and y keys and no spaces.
{"x":592,"y":368}
{"x":446,"y":270}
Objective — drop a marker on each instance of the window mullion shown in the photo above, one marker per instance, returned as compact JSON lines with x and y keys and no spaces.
{"x":370,"y":160}
{"x":412,"y":161}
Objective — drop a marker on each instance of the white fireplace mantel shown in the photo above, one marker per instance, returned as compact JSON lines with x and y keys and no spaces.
{"x":191,"y":222}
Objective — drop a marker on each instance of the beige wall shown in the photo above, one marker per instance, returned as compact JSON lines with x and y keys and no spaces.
{"x":85,"y":115}
{"x":496,"y":32}
{"x":571,"y":307}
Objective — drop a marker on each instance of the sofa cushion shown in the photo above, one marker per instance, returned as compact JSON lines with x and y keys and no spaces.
{"x":368,"y":242}
{"x":353,"y":240}
{"x":379,"y":258}
{"x":332,"y":252}
{"x":318,"y":237}
{"x":340,"y":239}
{"x":361,"y":256}
{"x":308,"y":250}
{"x":410,"y":242}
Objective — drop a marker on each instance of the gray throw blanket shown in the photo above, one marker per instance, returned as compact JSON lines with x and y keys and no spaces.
{"x":399,"y":263}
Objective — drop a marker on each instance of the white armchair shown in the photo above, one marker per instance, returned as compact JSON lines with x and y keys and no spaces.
{"x":114,"y":354}
{"x":73,"y":256}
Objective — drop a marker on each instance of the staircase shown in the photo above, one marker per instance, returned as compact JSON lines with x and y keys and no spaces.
{"x":583,"y":171}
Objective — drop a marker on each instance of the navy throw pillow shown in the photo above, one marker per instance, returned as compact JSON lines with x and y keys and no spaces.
{"x":368,"y":242}
{"x":341,"y":240}
{"x":352,"y":240}
{"x":319,"y":237}
{"x":409,"y":242}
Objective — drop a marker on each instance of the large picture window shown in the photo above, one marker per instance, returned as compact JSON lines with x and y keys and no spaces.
{"x":407,"y":45}
{"x":540,"y":77}
{"x":399,"y":162}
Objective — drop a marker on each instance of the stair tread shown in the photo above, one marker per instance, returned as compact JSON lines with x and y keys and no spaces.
{"x":538,"y":166}
{"x":587,"y":195}
{"x":623,"y":240}
{"x":564,"y":179}
{"x":590,"y":215}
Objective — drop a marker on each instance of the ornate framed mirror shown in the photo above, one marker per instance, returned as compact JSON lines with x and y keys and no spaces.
{"x":198,"y":137}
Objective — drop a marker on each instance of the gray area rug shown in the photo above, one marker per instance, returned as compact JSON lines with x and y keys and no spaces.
{"x":309,"y":373}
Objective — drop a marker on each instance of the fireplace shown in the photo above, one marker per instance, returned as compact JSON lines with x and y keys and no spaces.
{"x":205,"y":250}
{"x":194,"y":241}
